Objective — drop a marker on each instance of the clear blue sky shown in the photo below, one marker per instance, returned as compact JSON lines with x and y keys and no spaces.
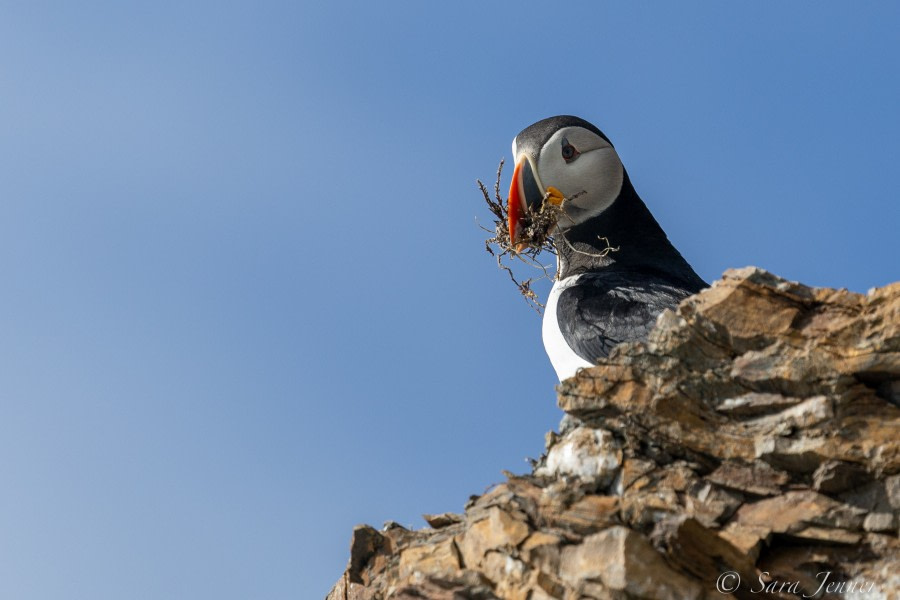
{"x":244,"y":301}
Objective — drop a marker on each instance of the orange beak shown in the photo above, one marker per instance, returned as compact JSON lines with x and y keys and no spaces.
{"x":525,"y":196}
{"x":515,"y":207}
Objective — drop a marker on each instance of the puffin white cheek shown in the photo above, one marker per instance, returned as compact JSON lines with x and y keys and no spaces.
{"x":603,"y":176}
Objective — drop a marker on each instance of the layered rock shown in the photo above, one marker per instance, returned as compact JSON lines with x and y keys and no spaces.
{"x":750,"y":447}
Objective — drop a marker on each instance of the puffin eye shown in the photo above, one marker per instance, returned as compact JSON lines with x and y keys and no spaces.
{"x":569,"y":153}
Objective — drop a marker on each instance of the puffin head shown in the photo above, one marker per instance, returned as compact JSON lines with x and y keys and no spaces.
{"x":563,"y":158}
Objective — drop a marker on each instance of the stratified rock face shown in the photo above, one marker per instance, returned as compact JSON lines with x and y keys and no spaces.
{"x":751,"y":446}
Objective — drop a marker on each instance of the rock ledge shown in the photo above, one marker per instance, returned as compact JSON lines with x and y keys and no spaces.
{"x":749,"y":448}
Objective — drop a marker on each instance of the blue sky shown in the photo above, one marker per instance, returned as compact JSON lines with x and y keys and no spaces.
{"x":245,"y":302}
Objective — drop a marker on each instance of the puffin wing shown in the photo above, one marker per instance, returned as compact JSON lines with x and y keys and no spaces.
{"x":605,"y":309}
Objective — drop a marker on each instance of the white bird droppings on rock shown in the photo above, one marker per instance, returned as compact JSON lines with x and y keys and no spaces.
{"x":592,"y":455}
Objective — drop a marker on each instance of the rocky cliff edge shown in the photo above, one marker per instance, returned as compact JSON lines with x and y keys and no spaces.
{"x":749,"y":449}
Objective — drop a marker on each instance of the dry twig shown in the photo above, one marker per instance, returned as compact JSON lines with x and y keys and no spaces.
{"x":536,"y":235}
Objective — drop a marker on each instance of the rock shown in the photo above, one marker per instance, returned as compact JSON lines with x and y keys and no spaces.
{"x":632,"y":470}
{"x":836,"y":476}
{"x":623,"y":560}
{"x":699,"y":550}
{"x":755,"y":404}
{"x":588,"y":514}
{"x":755,"y":433}
{"x":795,"y":455}
{"x":429,"y":559}
{"x":755,"y":478}
{"x":465,"y":584}
{"x":443,"y":520}
{"x":892,"y":490}
{"x":364,"y":545}
{"x":796,"y":514}
{"x":591,"y":455}
{"x":711,"y":505}
{"x":499,"y":530}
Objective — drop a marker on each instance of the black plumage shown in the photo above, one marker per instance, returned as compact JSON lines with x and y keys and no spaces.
{"x":618,"y":295}
{"x":607,"y":308}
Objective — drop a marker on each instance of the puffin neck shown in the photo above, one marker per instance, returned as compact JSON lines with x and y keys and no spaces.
{"x":628,"y":226}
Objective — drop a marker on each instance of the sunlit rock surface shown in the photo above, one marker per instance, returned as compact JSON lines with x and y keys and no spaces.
{"x":750,"y":446}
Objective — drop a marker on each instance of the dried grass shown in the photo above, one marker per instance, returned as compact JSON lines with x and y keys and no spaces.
{"x":536,"y":235}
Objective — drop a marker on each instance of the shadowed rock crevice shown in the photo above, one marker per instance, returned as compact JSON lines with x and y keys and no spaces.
{"x":751,"y":443}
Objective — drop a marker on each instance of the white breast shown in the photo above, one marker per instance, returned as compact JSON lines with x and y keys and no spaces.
{"x":564,"y":360}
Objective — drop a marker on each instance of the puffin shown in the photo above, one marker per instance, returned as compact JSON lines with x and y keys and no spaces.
{"x":616,"y":268}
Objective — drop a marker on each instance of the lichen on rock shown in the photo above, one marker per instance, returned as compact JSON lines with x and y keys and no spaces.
{"x":751,"y":443}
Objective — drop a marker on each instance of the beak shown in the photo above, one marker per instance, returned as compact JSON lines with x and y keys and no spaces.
{"x":525,"y":197}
